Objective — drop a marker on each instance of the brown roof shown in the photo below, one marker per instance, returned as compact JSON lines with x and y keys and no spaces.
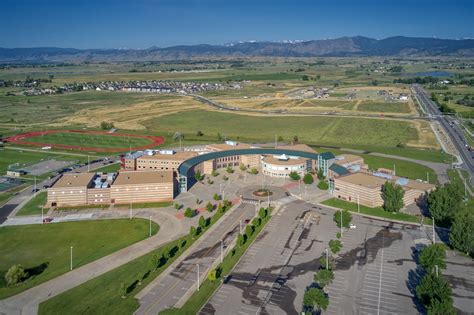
{"x":74,"y":180}
{"x":371,"y":181}
{"x":297,"y":147}
{"x":225,"y":146}
{"x":178,"y":156}
{"x":272,"y":160}
{"x":347,"y":159}
{"x":143,"y":177}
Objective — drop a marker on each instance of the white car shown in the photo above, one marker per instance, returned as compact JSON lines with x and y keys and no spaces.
{"x":352,"y":226}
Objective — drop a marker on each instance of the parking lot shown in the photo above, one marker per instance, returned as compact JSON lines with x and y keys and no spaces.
{"x":374,"y":272}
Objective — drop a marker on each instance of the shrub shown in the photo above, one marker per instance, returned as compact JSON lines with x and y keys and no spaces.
{"x":323,"y":184}
{"x":15,"y":275}
{"x":308,"y":178}
{"x":294,"y":175}
{"x":189,"y":213}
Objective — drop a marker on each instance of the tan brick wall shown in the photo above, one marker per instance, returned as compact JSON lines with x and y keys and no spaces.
{"x":124,"y":194}
{"x":67,"y":196}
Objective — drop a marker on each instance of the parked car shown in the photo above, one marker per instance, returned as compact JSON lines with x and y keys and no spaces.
{"x":352,"y":226}
{"x":47,"y":220}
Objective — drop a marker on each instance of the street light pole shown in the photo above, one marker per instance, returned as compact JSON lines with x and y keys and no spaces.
{"x":358,"y":206}
{"x":223,"y":195}
{"x":150,"y":226}
{"x":341,"y":222}
{"x":198,"y":277}
{"x":88,"y":163}
{"x":34,"y":190}
{"x":222,"y":250}
{"x":71,"y":258}
{"x":42,"y":214}
{"x":327,"y":259}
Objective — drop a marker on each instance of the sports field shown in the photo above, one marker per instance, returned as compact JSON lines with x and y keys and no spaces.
{"x":45,"y":255}
{"x":86,"y":140}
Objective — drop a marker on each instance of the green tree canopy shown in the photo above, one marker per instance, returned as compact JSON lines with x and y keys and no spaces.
{"x":323,"y":184}
{"x":346,"y":218}
{"x":461,"y":235}
{"x":315,"y":299}
{"x":444,"y":202}
{"x":335,"y":246}
{"x":308,"y":178}
{"x":202,"y":222}
{"x":294,"y":175}
{"x":432,"y":256}
{"x":433,"y":288}
{"x":15,"y":275}
{"x":209,"y":206}
{"x":392,"y":195}
{"x":324,"y":277}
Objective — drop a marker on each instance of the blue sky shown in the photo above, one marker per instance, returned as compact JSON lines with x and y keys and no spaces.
{"x":144,"y":23}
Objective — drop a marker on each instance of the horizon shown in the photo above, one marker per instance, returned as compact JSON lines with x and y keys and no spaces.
{"x":163,"y":23}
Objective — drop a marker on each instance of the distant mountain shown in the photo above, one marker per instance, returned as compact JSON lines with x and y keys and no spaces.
{"x":344,"y":46}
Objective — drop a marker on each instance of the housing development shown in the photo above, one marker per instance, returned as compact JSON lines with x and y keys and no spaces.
{"x":236,"y":157}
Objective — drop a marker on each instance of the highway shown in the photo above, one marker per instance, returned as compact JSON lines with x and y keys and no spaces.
{"x":451,"y":127}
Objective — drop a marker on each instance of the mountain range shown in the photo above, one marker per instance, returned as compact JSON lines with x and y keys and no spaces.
{"x":339,"y":47}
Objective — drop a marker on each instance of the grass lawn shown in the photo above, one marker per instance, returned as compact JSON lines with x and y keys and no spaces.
{"x":44,"y":249}
{"x":111,"y":168}
{"x":90,"y":140}
{"x":402,"y":168}
{"x":377,"y":211}
{"x":311,"y":130}
{"x":207,"y":289}
{"x":34,"y":205}
{"x":102,"y":293}
{"x":5,"y":196}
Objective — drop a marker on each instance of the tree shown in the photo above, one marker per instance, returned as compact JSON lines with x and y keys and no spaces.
{"x":229,"y":170}
{"x":198,"y":176}
{"x":15,"y":275}
{"x":253,"y":171}
{"x":209,"y":207}
{"x":215,"y":173}
{"x":192,"y":231}
{"x":324,"y":277}
{"x":189,"y":213}
{"x":177,"y":206}
{"x":444,"y":307}
{"x":321,"y":174}
{"x":432,"y":256}
{"x":392,"y":195}
{"x":444,"y":202}
{"x":241,"y":240}
{"x":220,"y":208}
{"x":305,"y":78}
{"x":461,"y":235}
{"x":154,"y":261}
{"x":323,"y":184}
{"x":242,"y":167}
{"x":335,"y":246}
{"x":106,"y":125}
{"x":294,"y":175}
{"x":346,"y":218}
{"x":295,"y":139}
{"x":212,"y":275}
{"x":433,"y":288}
{"x":199,"y":133}
{"x":123,"y":290}
{"x":202,"y":222}
{"x":256,"y":222}
{"x":249,"y":229}
{"x":262,"y":213}
{"x":216,"y":197}
{"x":330,"y":261}
{"x":178,"y":136}
{"x":280,"y":139}
{"x":139,"y":278}
{"x":308,"y":178}
{"x":315,"y":299}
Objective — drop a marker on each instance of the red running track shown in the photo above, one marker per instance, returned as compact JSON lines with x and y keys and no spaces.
{"x":22,"y":139}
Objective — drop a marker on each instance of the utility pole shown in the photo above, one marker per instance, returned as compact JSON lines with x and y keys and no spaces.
{"x":327,"y":259}
{"x":198,"y":277}
{"x":71,"y":258}
{"x":222,"y":251}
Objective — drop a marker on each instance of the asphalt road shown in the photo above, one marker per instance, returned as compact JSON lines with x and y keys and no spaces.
{"x":28,"y":192}
{"x":448,"y":123}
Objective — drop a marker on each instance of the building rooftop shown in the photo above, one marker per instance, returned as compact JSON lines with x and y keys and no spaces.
{"x":74,"y":180}
{"x":297,"y":147}
{"x":275,"y":160}
{"x":347,"y":159}
{"x":143,"y":177}
{"x":178,"y":156}
{"x":225,"y":146}
{"x":372,"y":181}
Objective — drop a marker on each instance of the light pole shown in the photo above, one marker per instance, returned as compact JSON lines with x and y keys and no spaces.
{"x":42,"y":215}
{"x":341,"y":222}
{"x":198,"y":277}
{"x":71,"y":258}
{"x":223,"y":195}
{"x":34,"y":190}
{"x":428,"y":177}
{"x":358,"y":205}
{"x":222,"y":250}
{"x":434,"y":232}
{"x":220,"y":188}
{"x":150,"y":226}
{"x":131,"y":214}
{"x":327,"y":259}
{"x":88,"y":163}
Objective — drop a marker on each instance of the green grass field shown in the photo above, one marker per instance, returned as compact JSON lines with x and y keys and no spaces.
{"x":34,"y":205}
{"x":111,"y":168}
{"x":377,"y":211}
{"x":311,"y":130}
{"x":393,"y":107}
{"x":44,"y":249}
{"x":90,"y":140}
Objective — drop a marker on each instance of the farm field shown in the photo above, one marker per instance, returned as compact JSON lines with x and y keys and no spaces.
{"x":45,"y":256}
{"x":393,"y":107}
{"x":312,"y":130}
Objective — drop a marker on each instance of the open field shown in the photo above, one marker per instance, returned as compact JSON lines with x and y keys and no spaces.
{"x":34,"y":205}
{"x":87,"y":140}
{"x":45,"y":255}
{"x":311,"y":130}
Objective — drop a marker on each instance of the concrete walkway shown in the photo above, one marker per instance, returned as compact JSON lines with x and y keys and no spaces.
{"x":27,"y":302}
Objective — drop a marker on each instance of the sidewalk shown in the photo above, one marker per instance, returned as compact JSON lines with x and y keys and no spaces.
{"x":27,"y":302}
